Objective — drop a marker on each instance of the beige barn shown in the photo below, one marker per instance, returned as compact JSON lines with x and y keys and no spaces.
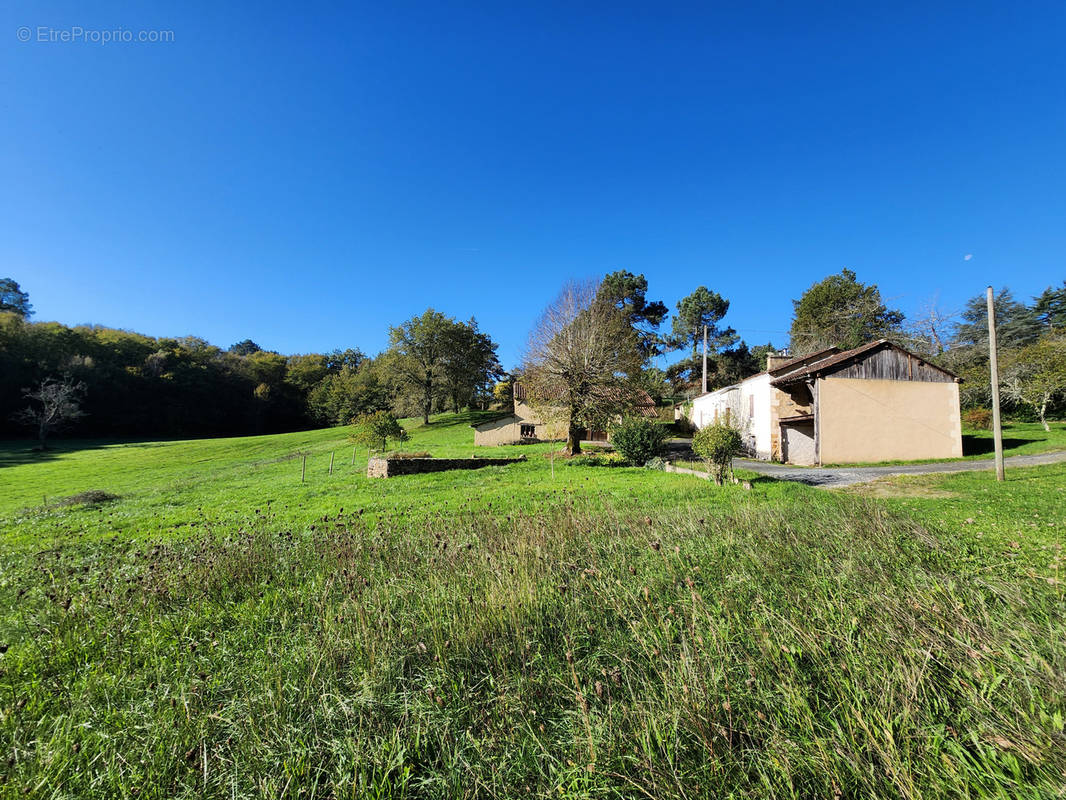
{"x":525,"y":424}
{"x":877,"y":402}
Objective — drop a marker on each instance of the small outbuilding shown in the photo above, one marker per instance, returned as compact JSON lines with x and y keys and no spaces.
{"x":877,"y":402}
{"x":527,"y":424}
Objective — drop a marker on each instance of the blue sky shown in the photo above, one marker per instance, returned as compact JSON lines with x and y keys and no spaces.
{"x":307,"y":175}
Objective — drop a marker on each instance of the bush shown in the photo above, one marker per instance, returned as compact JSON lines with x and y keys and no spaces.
{"x":718,"y":445}
{"x":638,"y":440}
{"x":656,"y":463}
{"x":402,"y":455}
{"x":379,"y":427}
{"x":598,"y":460}
{"x":978,"y":419}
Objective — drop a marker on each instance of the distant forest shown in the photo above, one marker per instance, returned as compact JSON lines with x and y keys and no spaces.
{"x":135,"y":385}
{"x":127,"y":384}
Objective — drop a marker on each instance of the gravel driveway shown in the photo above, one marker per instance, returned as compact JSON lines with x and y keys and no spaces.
{"x":846,"y":476}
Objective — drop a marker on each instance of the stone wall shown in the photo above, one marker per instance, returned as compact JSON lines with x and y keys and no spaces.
{"x":389,"y":468}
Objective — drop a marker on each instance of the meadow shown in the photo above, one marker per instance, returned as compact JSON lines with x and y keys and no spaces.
{"x":222,"y":629}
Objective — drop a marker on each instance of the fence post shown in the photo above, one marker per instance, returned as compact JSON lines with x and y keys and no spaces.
{"x":353,"y":456}
{"x":303,"y":468}
{"x":331,"y":461}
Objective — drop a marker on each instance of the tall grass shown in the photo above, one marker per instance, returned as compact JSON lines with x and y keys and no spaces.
{"x":836,"y":650}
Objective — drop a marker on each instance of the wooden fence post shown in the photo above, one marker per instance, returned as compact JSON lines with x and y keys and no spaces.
{"x":331,"y":461}
{"x":353,"y":456}
{"x":303,"y":469}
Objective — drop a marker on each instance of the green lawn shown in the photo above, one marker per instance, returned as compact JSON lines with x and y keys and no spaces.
{"x":224,"y":630}
{"x":176,"y":486}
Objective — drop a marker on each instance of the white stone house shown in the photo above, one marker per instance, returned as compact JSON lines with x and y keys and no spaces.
{"x":876,"y":402}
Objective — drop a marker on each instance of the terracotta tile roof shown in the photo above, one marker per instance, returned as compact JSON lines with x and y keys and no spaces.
{"x":644,"y":402}
{"x":802,"y":360}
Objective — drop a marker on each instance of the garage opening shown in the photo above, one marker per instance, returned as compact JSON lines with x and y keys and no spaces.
{"x":797,"y":440}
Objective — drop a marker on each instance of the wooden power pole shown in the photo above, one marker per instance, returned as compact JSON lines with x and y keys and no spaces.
{"x":705,"y":359}
{"x":997,"y":424}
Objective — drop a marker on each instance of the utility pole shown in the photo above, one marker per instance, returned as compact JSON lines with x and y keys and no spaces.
{"x":705,"y":359}
{"x":997,"y":425}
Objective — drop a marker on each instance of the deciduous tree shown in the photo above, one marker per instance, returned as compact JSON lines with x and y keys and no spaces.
{"x":417,"y":351}
{"x":1035,"y":375}
{"x":470,"y":365}
{"x":582,"y":361}
{"x":379,"y":426}
{"x":53,"y":405}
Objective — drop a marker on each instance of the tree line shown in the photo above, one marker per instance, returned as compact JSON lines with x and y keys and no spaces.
{"x":1031,"y":337}
{"x":119,"y":383}
{"x":595,"y":345}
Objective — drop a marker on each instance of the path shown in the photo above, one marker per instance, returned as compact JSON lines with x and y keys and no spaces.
{"x":846,"y":476}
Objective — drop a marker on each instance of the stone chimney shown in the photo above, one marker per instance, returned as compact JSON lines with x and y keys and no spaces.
{"x":774,"y":360}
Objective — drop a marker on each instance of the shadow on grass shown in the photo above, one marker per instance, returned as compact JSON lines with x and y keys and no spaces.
{"x":981,"y":445}
{"x":15,"y":453}
{"x":449,"y":419}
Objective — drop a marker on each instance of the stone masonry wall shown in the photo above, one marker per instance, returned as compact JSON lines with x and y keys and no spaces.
{"x":389,"y":468}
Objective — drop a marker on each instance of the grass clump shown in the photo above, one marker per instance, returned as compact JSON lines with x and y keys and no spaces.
{"x":93,"y":497}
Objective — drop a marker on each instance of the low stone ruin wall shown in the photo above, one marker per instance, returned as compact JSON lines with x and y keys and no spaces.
{"x":389,"y":468}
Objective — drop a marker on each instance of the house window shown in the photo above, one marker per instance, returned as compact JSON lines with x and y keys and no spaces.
{"x":528,"y":431}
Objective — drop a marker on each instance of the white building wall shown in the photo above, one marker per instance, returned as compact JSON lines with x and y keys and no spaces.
{"x":748,"y":406}
{"x":756,"y":394}
{"x":710,"y":408}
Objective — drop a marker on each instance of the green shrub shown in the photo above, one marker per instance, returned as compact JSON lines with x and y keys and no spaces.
{"x":598,"y":460}
{"x":977,"y":419}
{"x":656,"y":463}
{"x":377,"y":428}
{"x":402,"y":455}
{"x":638,"y":440}
{"x":718,"y":445}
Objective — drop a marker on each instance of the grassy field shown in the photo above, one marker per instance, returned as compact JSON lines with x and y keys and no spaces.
{"x":174,"y":488}
{"x":224,"y":630}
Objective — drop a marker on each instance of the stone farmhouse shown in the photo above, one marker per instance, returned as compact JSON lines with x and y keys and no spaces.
{"x":877,"y":402}
{"x":526,"y":424}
